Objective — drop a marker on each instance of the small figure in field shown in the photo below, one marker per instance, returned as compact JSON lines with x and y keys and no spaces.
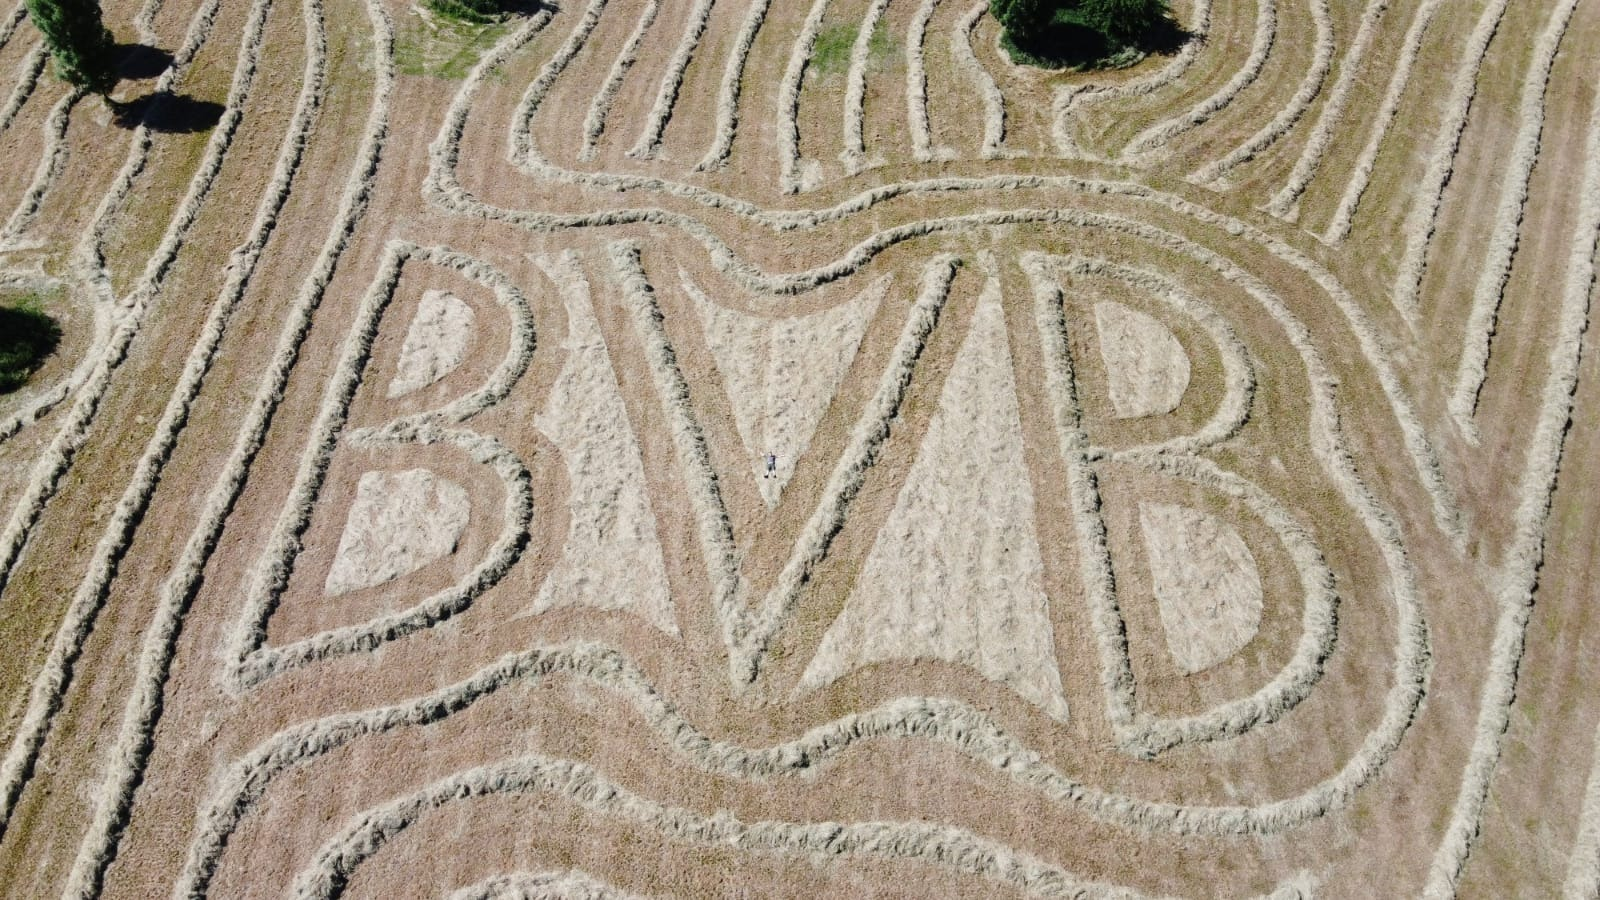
{"x":772,"y":465}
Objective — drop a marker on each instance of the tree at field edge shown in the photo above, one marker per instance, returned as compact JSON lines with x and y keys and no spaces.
{"x":84,"y":51}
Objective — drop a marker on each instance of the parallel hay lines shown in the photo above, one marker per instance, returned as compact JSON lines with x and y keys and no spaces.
{"x":855,"y":92}
{"x":994,"y":102}
{"x":728,"y":94}
{"x":649,"y":143}
{"x":1503,"y":240}
{"x":866,"y":439}
{"x":1283,"y":202}
{"x":582,"y":785}
{"x":1361,"y":174}
{"x":27,"y":79}
{"x":523,"y":149}
{"x":714,"y":528}
{"x":1310,"y":87}
{"x":1146,"y":142}
{"x":1094,"y":554}
{"x":922,"y":149}
{"x":1072,"y":97}
{"x":114,"y":801}
{"x":1424,"y":217}
{"x":53,"y":462}
{"x":965,"y":730}
{"x":45,"y":174}
{"x":791,"y":179}
{"x":137,"y":731}
{"x":50,"y":685}
{"x":595,"y":122}
{"x":1519,"y":575}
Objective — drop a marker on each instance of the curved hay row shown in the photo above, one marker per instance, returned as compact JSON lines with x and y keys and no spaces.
{"x":53,"y":462}
{"x":114,"y":800}
{"x":1143,"y":146}
{"x":1070,"y":98}
{"x":1424,"y":216}
{"x":1519,"y":575}
{"x":1318,"y":626}
{"x":728,"y":94}
{"x":1238,"y":373}
{"x":442,"y":188}
{"x":568,"y":884}
{"x":50,"y":685}
{"x":917,"y":84}
{"x":855,"y":92}
{"x":866,"y":438}
{"x":136,"y":734}
{"x":1361,"y":174}
{"x":595,"y":122}
{"x":790,"y":177}
{"x":27,"y":79}
{"x":994,"y":102}
{"x":45,"y":174}
{"x":1310,"y":87}
{"x":649,"y":143}
{"x":253,"y":660}
{"x":954,"y":848}
{"x":1486,"y":296}
{"x":523,"y":150}
{"x":1329,"y":122}
{"x":714,"y":528}
{"x":239,"y":790}
{"x":1147,"y":736}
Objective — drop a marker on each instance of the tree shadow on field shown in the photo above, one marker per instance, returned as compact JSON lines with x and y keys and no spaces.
{"x":167,"y":112}
{"x":27,"y":336}
{"x":137,"y":62}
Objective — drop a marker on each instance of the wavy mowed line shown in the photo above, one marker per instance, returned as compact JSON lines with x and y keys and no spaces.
{"x":737,"y":448}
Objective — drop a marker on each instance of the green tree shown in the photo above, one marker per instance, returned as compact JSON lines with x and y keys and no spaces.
{"x":1122,"y":21}
{"x":1023,"y":17}
{"x":83,"y":48}
{"x":1084,"y":30}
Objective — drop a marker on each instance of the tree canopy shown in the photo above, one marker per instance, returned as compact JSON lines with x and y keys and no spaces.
{"x":1077,"y":29}
{"x":84,"y":51}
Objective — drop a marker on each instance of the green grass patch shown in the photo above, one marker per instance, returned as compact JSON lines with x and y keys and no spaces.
{"x":831,"y":55}
{"x":27,"y":337}
{"x":443,"y":45}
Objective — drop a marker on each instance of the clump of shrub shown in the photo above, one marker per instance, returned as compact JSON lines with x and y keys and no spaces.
{"x":27,"y":337}
{"x":1077,"y":33}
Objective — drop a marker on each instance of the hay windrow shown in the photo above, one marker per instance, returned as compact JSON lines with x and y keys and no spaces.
{"x":1273,"y":131}
{"x":1487,"y":294}
{"x":793,"y":546}
{"x":649,"y":142}
{"x":1147,"y":143}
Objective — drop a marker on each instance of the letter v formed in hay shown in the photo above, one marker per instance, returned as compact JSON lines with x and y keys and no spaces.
{"x":746,"y":632}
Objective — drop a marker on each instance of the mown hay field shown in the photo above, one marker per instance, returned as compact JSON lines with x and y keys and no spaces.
{"x":731,"y":448}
